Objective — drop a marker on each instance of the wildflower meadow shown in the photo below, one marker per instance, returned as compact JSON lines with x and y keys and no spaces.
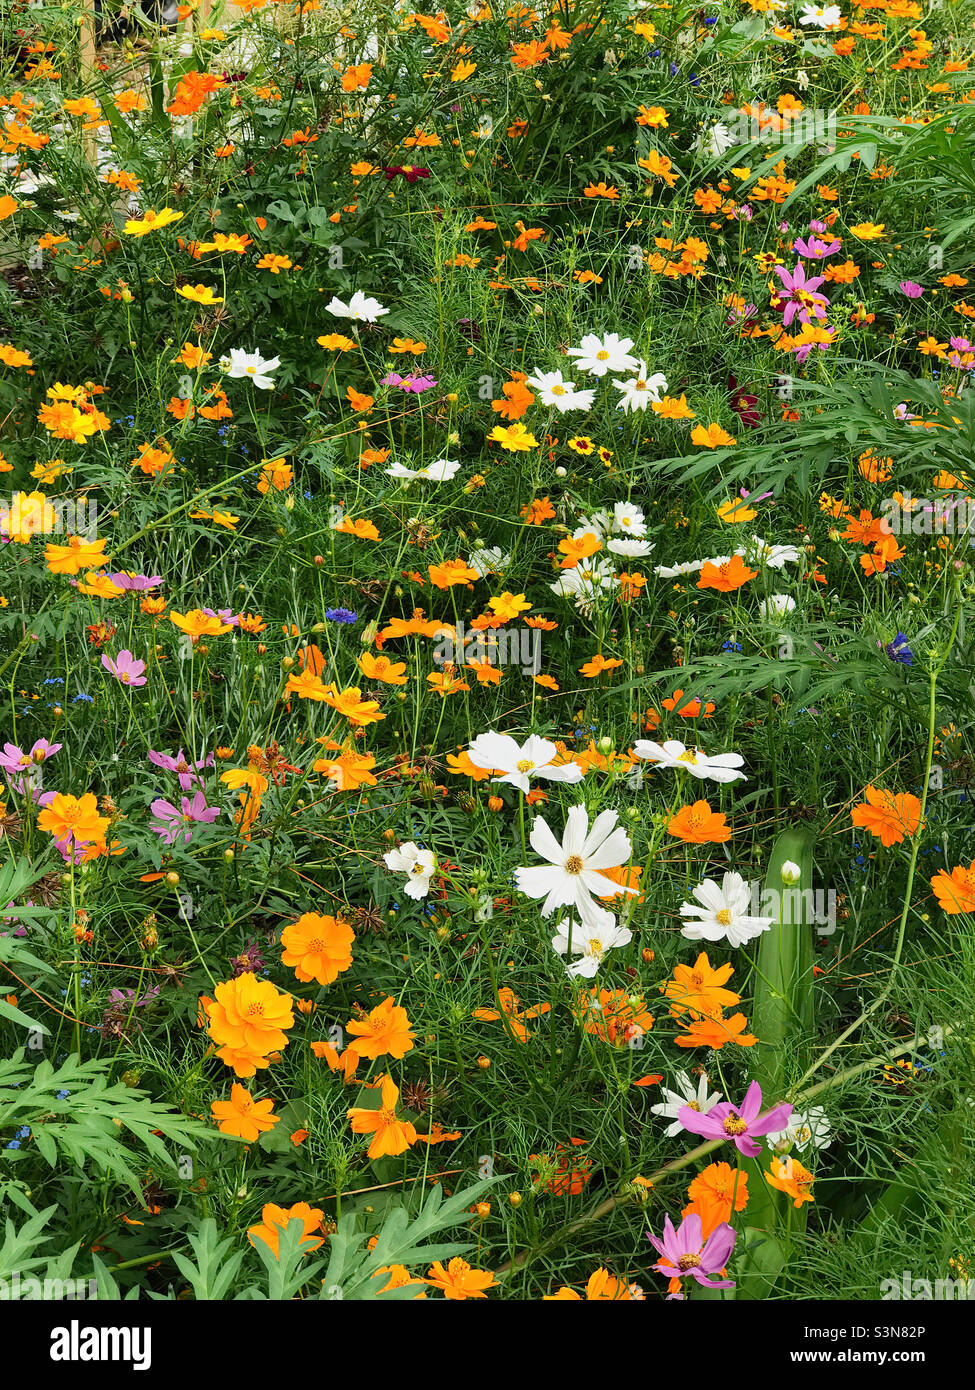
{"x":486,"y":644}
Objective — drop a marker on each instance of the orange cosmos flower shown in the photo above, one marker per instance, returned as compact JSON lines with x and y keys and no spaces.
{"x":381,"y":668}
{"x":73,"y":818}
{"x":275,"y":1218}
{"x":248,"y":1016}
{"x":887,"y":815}
{"x":198,"y":624}
{"x":598,"y":664}
{"x":730,"y":575}
{"x":242,"y":1115}
{"x":715,"y":1033}
{"x":698,"y":989}
{"x":788,"y":1175}
{"x":718,"y":1183}
{"x":360,"y":528}
{"x":317,"y":947}
{"x":459,"y":1281}
{"x":511,"y":1009}
{"x":390,"y":1135}
{"x":614,"y":1015}
{"x":445,"y":685}
{"x":451,"y":572}
{"x":345,"y":1062}
{"x":77,"y":555}
{"x":384,"y":1032}
{"x":576,"y":548}
{"x":955,"y":891}
{"x":699,"y":825}
{"x":350,"y":703}
{"x":357,"y":76}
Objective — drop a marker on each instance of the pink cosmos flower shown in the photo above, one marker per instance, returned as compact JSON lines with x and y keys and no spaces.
{"x":739,"y":1123}
{"x":174,"y":822}
{"x":138,"y":583}
{"x":125,"y":668}
{"x":411,"y":383}
{"x":816,"y":250}
{"x":911,"y":288}
{"x":14,"y":759}
{"x":686,"y":1254}
{"x":180,"y":764}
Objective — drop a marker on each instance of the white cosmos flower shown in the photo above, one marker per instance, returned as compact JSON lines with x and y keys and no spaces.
{"x":774,"y":556}
{"x":640,"y":390}
{"x":822,"y":18}
{"x":723,"y":914}
{"x":439,"y":472}
{"x":629,"y":520}
{"x":633,"y":550}
{"x":589,"y":941}
{"x":717,"y":767}
{"x":805,"y":1127}
{"x":555,"y":391}
{"x":572,"y":874}
{"x":777,"y":605}
{"x":516,"y":762}
{"x":360,"y":308}
{"x":250,"y":366}
{"x":718,"y":139}
{"x":418,"y":864}
{"x":489,"y":559}
{"x":597,"y":356}
{"x":697,"y":1097}
{"x":677,"y":571}
{"x":599,"y":524}
{"x":585,"y":582}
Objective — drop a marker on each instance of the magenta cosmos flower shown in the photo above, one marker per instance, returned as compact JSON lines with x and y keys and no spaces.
{"x":911,"y":288}
{"x":686,"y":1254}
{"x":172,"y":822}
{"x":800,"y":295}
{"x":737,"y":1122}
{"x":180,"y":764}
{"x":125,"y":668}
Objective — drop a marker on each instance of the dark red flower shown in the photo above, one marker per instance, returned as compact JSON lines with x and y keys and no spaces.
{"x":410,"y":172}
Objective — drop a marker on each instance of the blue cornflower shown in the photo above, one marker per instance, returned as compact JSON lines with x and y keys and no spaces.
{"x":86,"y":698}
{"x":340,"y":615}
{"x":899,"y":651}
{"x":731,"y":646}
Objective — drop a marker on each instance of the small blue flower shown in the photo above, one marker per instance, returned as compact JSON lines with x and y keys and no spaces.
{"x":14,"y":1144}
{"x":340,"y":615}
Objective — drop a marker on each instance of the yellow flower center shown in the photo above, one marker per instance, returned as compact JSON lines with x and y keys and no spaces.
{"x":687,"y":1262}
{"x":573,"y":865}
{"x":724,"y":917}
{"x":734,"y":1125}
{"x":525,"y":765}
{"x":602,"y":355}
{"x":689,"y":755}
